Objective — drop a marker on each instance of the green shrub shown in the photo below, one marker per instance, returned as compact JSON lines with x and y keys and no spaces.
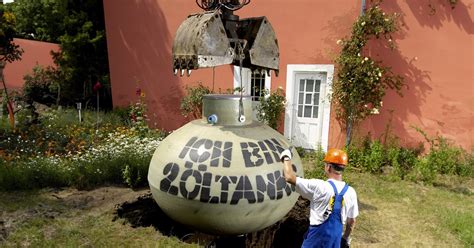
{"x":316,"y":172}
{"x":135,"y":174}
{"x":391,"y":158}
{"x":403,"y":160}
{"x":301,"y":151}
{"x":356,"y":157}
{"x":316,"y":158}
{"x":446,"y":158}
{"x":42,"y":85}
{"x":191,"y":104}
{"x":423,"y":172}
{"x":271,"y":108}
{"x":123,"y":113}
{"x":375,"y":158}
{"x":370,"y":156}
{"x":467,"y":168}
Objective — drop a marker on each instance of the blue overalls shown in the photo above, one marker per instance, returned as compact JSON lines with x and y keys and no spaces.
{"x":329,"y":233}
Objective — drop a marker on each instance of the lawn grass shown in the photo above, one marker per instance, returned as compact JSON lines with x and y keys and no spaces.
{"x":405,"y":214}
{"x":88,"y":231}
{"x":393,"y":213}
{"x":41,"y":220}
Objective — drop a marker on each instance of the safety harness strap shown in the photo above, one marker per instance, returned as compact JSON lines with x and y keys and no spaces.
{"x":346,"y":186}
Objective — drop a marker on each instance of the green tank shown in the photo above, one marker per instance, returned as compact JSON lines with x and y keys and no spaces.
{"x":221,"y":174}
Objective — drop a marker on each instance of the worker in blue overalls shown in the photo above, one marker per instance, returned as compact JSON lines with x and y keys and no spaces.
{"x":333,"y":203}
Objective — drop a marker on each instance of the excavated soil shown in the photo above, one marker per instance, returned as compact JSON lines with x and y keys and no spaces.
{"x":288,"y":232}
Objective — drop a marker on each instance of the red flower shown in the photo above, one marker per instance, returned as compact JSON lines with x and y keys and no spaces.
{"x":97,"y":86}
{"x":138,"y":92}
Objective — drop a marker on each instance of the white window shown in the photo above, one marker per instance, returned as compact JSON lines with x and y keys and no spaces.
{"x":253,"y":83}
{"x":308,"y":97}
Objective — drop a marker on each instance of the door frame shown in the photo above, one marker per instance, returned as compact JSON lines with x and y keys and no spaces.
{"x":291,"y":71}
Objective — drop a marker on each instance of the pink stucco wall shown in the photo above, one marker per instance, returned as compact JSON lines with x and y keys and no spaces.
{"x":34,"y":53}
{"x":140,"y":36}
{"x":435,"y":55}
{"x":139,"y":39}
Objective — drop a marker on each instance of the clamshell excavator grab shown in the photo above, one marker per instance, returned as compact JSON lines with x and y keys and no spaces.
{"x":218,"y":37}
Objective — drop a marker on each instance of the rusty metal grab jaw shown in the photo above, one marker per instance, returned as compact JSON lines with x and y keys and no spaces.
{"x":211,"y":39}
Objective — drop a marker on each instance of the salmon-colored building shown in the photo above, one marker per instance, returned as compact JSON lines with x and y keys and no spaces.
{"x":34,"y":53}
{"x":435,"y":55}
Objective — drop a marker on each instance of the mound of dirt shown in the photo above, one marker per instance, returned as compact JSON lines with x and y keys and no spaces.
{"x":288,"y":232}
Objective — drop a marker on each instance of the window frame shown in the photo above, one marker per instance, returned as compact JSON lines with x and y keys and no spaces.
{"x":247,"y":82}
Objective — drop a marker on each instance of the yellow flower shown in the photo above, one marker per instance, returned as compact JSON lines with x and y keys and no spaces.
{"x":9,"y":17}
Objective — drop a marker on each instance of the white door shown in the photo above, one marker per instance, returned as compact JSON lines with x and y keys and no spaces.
{"x":307,"y":109}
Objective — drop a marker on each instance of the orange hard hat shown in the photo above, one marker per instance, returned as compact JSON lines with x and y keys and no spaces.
{"x":336,"y":156}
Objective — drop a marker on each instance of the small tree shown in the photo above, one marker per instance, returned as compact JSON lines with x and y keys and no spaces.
{"x":9,"y":52}
{"x":361,"y":82}
{"x":79,"y":28}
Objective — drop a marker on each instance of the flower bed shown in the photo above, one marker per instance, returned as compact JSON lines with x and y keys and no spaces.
{"x":60,"y":152}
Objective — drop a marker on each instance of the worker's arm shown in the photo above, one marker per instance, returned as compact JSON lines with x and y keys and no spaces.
{"x":350,"y":224}
{"x":288,"y":172}
{"x":290,"y":175}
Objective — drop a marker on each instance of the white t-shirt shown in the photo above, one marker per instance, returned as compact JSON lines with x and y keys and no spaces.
{"x":319,"y":192}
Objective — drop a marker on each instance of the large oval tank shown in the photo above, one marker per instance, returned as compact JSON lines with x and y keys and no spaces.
{"x":221,"y":174}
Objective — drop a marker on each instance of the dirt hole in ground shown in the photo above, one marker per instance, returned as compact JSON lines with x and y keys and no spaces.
{"x":288,"y":232}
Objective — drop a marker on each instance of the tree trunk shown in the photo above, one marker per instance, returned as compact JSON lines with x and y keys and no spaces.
{"x":348,"y":132}
{"x":9,"y":103}
{"x":2,"y":66}
{"x":59,"y":95}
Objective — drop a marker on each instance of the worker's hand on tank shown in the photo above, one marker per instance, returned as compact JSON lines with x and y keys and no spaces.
{"x":286,"y":154}
{"x":344,"y":243}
